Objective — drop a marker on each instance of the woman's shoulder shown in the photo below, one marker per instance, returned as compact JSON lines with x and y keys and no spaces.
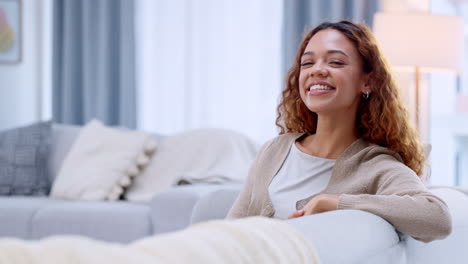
{"x":365,"y":150}
{"x":282,"y":140}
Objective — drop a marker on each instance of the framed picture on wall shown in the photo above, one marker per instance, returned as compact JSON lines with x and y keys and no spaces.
{"x":10,"y":31}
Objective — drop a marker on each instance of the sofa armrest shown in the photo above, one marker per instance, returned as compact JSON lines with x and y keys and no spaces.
{"x":351,"y":236}
{"x":342,"y":236}
{"x":172,"y":210}
{"x":453,"y":248}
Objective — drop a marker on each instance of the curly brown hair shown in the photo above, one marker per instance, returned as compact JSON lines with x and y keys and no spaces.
{"x":382,"y":119}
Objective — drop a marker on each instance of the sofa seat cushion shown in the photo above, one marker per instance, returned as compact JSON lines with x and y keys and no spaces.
{"x":109,"y":221}
{"x":17,"y":212}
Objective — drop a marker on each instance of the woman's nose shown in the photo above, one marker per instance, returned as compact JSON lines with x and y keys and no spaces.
{"x":318,"y":69}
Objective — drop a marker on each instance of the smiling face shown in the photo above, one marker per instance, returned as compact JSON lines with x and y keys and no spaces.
{"x":331,"y":78}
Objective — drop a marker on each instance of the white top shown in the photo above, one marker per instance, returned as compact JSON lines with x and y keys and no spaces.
{"x":301,"y":176}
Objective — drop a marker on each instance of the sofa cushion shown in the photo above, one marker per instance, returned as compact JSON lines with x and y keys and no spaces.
{"x":63,"y":137}
{"x":102,"y":162}
{"x":23,"y":160}
{"x":173,"y":209}
{"x":110,"y":221}
{"x":17,"y":212}
{"x":216,"y":204}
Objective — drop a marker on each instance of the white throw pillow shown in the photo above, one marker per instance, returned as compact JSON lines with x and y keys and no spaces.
{"x":102,"y":162}
{"x":199,"y":156}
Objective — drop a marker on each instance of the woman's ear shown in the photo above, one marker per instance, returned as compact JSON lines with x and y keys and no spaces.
{"x":366,"y":84}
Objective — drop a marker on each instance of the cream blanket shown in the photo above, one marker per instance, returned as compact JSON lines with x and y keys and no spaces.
{"x":250,"y":240}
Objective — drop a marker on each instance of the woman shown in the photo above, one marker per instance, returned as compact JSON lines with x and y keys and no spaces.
{"x":345,"y":141}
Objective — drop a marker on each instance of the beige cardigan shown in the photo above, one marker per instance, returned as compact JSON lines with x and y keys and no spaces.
{"x":368,"y":177}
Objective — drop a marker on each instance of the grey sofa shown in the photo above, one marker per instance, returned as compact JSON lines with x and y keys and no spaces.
{"x":30,"y":217}
{"x":351,"y":236}
{"x":344,"y":236}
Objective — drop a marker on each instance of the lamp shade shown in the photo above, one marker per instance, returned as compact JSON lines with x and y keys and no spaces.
{"x":421,"y":40}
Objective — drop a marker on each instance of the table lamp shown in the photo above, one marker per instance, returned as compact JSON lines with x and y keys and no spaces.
{"x":420,"y":41}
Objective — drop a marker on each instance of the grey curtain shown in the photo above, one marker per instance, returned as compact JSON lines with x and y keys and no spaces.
{"x":93,"y":62}
{"x":301,"y":15}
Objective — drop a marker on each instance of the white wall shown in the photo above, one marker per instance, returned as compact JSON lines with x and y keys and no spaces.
{"x":22,"y":85}
{"x":209,"y":64}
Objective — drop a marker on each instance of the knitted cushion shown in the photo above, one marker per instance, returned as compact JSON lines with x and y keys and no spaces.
{"x":23,"y":160}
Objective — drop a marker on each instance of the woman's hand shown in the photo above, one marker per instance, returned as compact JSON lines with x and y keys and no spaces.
{"x":319,"y":204}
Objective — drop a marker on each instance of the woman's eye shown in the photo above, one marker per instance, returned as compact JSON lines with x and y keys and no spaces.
{"x":337,"y":63}
{"x":307,"y":63}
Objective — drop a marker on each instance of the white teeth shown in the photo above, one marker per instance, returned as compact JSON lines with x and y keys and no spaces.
{"x":320,"y":87}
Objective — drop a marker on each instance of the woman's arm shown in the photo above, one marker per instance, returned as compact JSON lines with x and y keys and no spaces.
{"x":402,"y":199}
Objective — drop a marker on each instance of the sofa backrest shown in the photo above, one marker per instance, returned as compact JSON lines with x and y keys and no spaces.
{"x":62,"y":138}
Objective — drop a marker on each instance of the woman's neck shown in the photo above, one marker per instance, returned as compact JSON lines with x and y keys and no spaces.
{"x":333,"y":135}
